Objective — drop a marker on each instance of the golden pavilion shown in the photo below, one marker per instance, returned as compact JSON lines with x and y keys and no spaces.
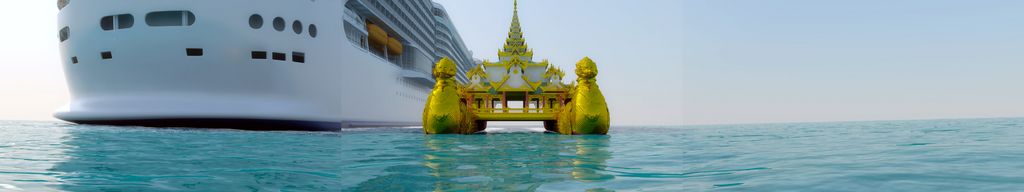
{"x":516,"y":78}
{"x":515,"y":88}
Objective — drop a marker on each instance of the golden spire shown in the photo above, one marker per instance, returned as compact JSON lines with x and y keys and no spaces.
{"x":515,"y":44}
{"x":515,"y":11}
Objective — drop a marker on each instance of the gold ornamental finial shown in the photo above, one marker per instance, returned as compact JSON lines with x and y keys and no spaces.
{"x":515,"y":11}
{"x":515,"y":43}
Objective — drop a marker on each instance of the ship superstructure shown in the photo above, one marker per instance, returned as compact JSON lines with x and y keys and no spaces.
{"x":253,"y":64}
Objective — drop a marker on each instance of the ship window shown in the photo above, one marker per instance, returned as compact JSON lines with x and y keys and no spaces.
{"x":107,"y":23}
{"x":74,"y":60}
{"x":312,"y":30}
{"x":279,"y":24}
{"x":279,"y":56}
{"x":297,"y":27}
{"x":259,"y":55}
{"x":170,"y":18}
{"x":299,"y":57}
{"x":65,"y":33}
{"x":256,"y":21}
{"x":194,"y":51}
{"x":106,"y":55}
{"x":122,"y":21}
{"x":125,"y":21}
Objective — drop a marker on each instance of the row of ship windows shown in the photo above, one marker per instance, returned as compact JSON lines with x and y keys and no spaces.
{"x":256,"y":22}
{"x":153,"y":19}
{"x":182,"y":18}
{"x":298,"y":57}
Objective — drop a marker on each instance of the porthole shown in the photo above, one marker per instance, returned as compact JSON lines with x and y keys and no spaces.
{"x":297,"y":27}
{"x":170,"y":18}
{"x":312,"y":30}
{"x":256,"y":21}
{"x":279,"y":24}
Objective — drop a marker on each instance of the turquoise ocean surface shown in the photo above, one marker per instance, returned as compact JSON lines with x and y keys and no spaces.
{"x":931,"y":155}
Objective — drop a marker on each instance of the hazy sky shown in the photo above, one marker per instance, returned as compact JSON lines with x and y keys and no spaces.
{"x":695,"y":61}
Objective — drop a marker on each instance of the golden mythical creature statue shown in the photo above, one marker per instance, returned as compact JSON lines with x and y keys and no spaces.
{"x":445,"y":112}
{"x":587,"y":113}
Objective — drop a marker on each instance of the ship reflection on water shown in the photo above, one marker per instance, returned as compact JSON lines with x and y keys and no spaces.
{"x":503,"y":162}
{"x":101,"y":158}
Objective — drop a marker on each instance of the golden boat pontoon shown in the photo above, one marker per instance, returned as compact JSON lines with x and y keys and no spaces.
{"x":577,"y":108}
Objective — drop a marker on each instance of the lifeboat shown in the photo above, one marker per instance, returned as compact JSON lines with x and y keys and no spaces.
{"x":394,"y":46}
{"x":378,"y":37}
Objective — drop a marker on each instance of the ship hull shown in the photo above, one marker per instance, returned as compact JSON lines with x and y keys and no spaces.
{"x":144,"y":75}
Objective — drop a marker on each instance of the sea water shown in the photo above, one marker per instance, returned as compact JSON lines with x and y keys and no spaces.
{"x":933,"y":155}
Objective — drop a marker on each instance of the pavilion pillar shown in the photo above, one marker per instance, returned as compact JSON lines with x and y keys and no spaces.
{"x":526,"y":102}
{"x":470,"y":102}
{"x":540,"y":102}
{"x":504,"y":102}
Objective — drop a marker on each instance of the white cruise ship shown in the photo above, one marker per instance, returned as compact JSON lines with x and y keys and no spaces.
{"x":253,"y":64}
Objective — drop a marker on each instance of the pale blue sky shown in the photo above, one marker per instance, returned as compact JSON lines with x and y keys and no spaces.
{"x":697,"y":61}
{"x":763,"y":61}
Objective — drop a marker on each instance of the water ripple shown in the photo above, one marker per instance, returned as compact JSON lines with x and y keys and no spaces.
{"x":687,"y":174}
{"x":940,"y":155}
